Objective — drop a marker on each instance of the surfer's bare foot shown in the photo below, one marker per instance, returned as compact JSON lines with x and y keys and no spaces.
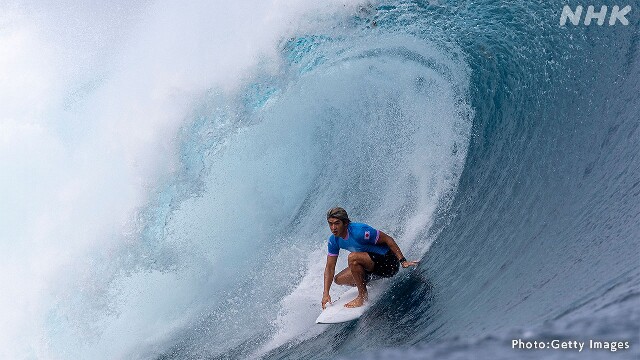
{"x":357,"y":302}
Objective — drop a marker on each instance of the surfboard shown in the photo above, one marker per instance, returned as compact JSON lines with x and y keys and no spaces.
{"x":336,"y":313}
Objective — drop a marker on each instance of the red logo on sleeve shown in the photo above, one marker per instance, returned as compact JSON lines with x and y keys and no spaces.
{"x":367,"y":235}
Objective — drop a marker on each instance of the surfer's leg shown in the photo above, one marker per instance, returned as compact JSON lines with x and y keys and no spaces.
{"x":359,"y":262}
{"x":344,"y":277}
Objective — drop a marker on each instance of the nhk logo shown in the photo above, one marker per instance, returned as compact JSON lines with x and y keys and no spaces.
{"x":615,"y":15}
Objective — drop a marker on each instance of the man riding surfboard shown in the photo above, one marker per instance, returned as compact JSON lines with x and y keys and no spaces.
{"x":373,"y":254}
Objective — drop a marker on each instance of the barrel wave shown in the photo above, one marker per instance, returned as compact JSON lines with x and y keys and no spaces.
{"x":183,"y":178}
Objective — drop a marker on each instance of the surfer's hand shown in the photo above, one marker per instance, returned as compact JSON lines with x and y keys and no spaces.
{"x":406,"y":264}
{"x":325,"y":299}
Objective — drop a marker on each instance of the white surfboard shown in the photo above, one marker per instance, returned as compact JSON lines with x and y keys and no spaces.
{"x":335,"y":312}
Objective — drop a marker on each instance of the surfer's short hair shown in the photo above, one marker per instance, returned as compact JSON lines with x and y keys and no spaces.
{"x":338,"y":213}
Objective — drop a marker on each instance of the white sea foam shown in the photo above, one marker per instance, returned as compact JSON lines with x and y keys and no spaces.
{"x":92,"y":97}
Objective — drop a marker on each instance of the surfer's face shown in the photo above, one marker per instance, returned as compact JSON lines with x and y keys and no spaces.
{"x":337,"y":226}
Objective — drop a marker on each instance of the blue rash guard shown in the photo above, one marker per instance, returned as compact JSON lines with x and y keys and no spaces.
{"x":360,"y":237}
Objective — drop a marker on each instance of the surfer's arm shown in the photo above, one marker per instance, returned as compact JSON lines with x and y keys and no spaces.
{"x":388,"y":240}
{"x":329,"y":272}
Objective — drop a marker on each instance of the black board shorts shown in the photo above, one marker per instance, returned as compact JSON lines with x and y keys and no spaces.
{"x":385,"y":266}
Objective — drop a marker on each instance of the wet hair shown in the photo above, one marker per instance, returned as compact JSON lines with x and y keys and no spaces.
{"x":338,"y":213}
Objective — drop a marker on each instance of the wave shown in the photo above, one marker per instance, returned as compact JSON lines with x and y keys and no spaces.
{"x":182,"y":180}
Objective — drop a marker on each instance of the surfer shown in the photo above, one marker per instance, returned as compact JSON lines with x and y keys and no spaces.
{"x":374,"y":254}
